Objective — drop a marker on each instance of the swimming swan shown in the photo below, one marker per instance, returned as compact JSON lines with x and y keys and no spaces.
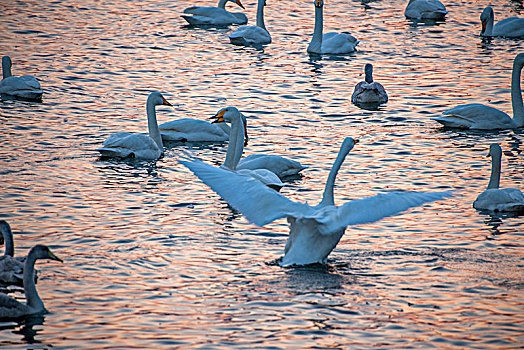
{"x":278,"y":165}
{"x":252,"y":35}
{"x":215,"y":16}
{"x":12,"y":308}
{"x":495,"y":199}
{"x":329,"y":43}
{"x":314,"y":231}
{"x":25,"y":86}
{"x":11,"y":268}
{"x":425,"y":9}
{"x":126,"y":144}
{"x":479,"y":116}
{"x":368,"y":91}
{"x":512,"y":27}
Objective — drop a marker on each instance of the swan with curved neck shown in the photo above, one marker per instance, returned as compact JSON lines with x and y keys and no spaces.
{"x":425,"y":9}
{"x":493,"y":198}
{"x":482,"y":117}
{"x":11,"y":308}
{"x":368,"y":91}
{"x":24,"y":87}
{"x":314,"y":231}
{"x":11,"y":268}
{"x":252,"y":35}
{"x":329,"y":43}
{"x":126,"y":144}
{"x":512,"y":27}
{"x":214,"y":16}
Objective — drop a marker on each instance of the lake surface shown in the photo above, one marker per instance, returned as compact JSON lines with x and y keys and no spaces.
{"x":155,"y":259}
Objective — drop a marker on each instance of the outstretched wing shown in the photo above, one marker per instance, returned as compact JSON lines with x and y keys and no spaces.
{"x":259,"y":204}
{"x":371,"y":209}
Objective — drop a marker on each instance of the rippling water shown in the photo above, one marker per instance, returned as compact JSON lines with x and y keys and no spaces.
{"x":155,"y":259}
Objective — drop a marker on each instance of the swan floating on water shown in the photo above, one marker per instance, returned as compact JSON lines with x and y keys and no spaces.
{"x":329,"y":43}
{"x":482,"y":117}
{"x":25,"y":87}
{"x":12,"y":308}
{"x":214,"y":16}
{"x":278,"y":165}
{"x":314,"y":231}
{"x":495,"y":199}
{"x":11,"y":268}
{"x":252,"y":35}
{"x":425,"y":9}
{"x":368,"y":91}
{"x":126,"y":144}
{"x":512,"y":27}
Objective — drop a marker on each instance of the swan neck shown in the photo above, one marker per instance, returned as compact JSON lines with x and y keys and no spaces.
{"x":152,"y":124}
{"x":222,"y":3}
{"x":9,"y":244}
{"x":31,"y":295}
{"x":327,"y":197}
{"x":235,"y":147}
{"x":315,"y":46}
{"x":260,"y":14}
{"x":225,"y":128}
{"x":488,"y":31}
{"x":6,"y":69}
{"x":494,"y":180}
{"x":516,"y":94}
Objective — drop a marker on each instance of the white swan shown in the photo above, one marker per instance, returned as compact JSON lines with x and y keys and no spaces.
{"x":329,"y":43}
{"x":126,"y":144}
{"x":25,"y":86}
{"x":235,"y":148}
{"x":512,"y":27}
{"x":314,"y":231}
{"x":479,"y":116}
{"x":278,"y":165}
{"x":12,"y":308}
{"x":11,"y":268}
{"x":194,"y":130}
{"x":215,"y":16}
{"x":252,"y":35}
{"x":368,"y":91}
{"x":495,"y":199}
{"x":425,"y":9}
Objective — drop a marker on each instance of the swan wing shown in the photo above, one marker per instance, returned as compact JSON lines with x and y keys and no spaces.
{"x":510,"y":27}
{"x":371,"y":209}
{"x":427,"y":9}
{"x":258,"y":203}
{"x":250,"y":35}
{"x":25,"y":86}
{"x":125,"y":144}
{"x":213,"y":16}
{"x":507,"y":199}
{"x":277,"y":164}
{"x":11,"y":308}
{"x":476,"y":116}
{"x":191,"y":130}
{"x":338,"y":43}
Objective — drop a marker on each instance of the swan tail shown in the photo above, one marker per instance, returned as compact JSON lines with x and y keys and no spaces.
{"x":108,"y":152}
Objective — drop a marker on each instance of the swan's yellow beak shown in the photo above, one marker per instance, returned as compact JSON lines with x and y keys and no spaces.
{"x":54,"y":257}
{"x":355,"y":141}
{"x":219,"y":117}
{"x":484,"y":24}
{"x":245,"y":135}
{"x":318,"y":3}
{"x":164,"y":101}
{"x":239,"y":4}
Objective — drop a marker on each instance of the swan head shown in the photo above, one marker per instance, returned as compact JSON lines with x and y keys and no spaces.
{"x":238,"y":3}
{"x":155,"y":98}
{"x":495,"y":151}
{"x":43,"y":252}
{"x":368,"y":71}
{"x":485,"y":17}
{"x":519,"y":60}
{"x":6,"y":66}
{"x":231,"y":115}
{"x":348,"y":145}
{"x":319,"y":3}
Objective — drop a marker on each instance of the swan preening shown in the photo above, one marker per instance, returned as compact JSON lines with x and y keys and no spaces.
{"x":12,"y":308}
{"x":11,"y":268}
{"x":425,"y":9}
{"x":482,"y":117}
{"x":252,"y":35}
{"x":368,"y":91}
{"x":495,"y":199}
{"x":329,"y":43}
{"x":25,"y":87}
{"x":126,"y":144}
{"x":314,"y":231}
{"x":512,"y":27}
{"x":214,"y":16}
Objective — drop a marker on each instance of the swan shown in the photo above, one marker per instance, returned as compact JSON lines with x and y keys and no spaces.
{"x":252,"y":35}
{"x":479,"y":116}
{"x":369,"y":91}
{"x":495,"y":199}
{"x":12,"y":308}
{"x":215,"y":16}
{"x":278,"y":165}
{"x":314,"y":230}
{"x":194,"y":130}
{"x":425,"y":9}
{"x":512,"y":27}
{"x":11,"y":268}
{"x":126,"y":144}
{"x":25,"y":86}
{"x":329,"y":43}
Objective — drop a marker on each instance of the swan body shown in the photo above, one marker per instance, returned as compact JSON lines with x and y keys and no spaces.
{"x":11,"y":267}
{"x":425,"y":9}
{"x":214,"y":16}
{"x":512,"y":27}
{"x":482,"y":117}
{"x":126,"y":144}
{"x":278,"y":165}
{"x":314,"y":230}
{"x":495,"y":199}
{"x":24,"y":87}
{"x":252,"y":35}
{"x":12,"y":308}
{"x":329,"y":43}
{"x":368,"y":91}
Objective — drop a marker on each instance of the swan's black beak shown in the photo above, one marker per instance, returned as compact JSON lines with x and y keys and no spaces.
{"x":219,"y":117}
{"x":239,"y":4}
{"x":484,"y":24}
{"x":164,"y":101}
{"x":54,"y":257}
